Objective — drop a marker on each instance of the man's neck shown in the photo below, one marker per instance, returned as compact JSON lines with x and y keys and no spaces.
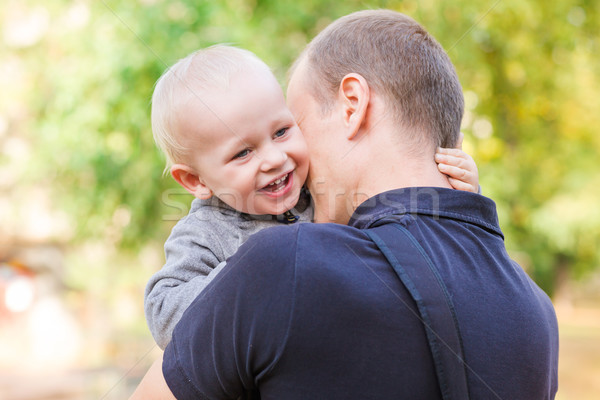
{"x":337,"y":204}
{"x":421,"y":173}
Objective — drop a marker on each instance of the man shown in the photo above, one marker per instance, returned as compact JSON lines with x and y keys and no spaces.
{"x":410,"y":293}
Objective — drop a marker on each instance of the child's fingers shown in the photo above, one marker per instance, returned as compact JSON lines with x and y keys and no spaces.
{"x":454,"y":172}
{"x":453,"y":152}
{"x":454,"y":160}
{"x":460,"y":185}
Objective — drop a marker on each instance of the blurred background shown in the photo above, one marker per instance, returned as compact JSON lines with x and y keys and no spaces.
{"x":84,"y":208}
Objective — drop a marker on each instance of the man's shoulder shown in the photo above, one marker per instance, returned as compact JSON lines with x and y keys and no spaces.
{"x":307,"y":233}
{"x":302,"y":249}
{"x":284,"y":243}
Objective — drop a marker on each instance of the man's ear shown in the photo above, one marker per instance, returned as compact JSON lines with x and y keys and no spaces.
{"x":459,"y":142}
{"x":354,"y":95}
{"x":190,"y":180}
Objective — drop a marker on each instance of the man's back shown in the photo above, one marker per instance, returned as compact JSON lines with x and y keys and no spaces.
{"x":325,"y":316}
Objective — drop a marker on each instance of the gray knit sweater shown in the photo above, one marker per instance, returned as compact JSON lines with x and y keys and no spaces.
{"x":195,"y":252}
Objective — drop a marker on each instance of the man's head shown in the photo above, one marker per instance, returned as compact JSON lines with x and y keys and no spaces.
{"x":220,"y":117}
{"x":399,"y":60}
{"x":372,"y":91}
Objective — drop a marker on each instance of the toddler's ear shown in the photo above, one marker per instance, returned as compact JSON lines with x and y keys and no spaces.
{"x":189,"y":179}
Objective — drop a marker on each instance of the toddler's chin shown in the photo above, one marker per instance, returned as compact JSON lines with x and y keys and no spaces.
{"x":293,"y":200}
{"x":287,"y":206}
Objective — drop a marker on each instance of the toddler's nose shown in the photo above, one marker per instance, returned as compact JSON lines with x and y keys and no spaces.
{"x":273,"y":158}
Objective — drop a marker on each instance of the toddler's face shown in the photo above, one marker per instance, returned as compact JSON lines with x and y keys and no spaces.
{"x":251,"y":153}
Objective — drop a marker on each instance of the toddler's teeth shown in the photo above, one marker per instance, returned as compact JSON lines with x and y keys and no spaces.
{"x":279,"y":181}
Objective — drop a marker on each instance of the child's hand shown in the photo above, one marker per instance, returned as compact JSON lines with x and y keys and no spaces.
{"x":460,"y":168}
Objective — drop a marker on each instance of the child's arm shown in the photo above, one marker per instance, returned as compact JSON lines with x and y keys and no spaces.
{"x":460,"y":168}
{"x":191,"y":263}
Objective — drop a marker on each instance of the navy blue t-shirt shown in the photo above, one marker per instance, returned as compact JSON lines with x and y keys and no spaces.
{"x":314,"y":311}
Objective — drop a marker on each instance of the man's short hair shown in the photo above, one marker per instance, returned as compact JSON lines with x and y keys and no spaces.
{"x":188,"y":78}
{"x":399,"y":60}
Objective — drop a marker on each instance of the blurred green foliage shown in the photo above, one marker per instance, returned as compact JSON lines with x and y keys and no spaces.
{"x":77,"y":78}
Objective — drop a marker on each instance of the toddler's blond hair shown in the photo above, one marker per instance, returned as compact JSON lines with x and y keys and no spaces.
{"x":189,"y":77}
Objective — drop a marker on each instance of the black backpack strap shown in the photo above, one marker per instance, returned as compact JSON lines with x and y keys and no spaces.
{"x":420,"y":277}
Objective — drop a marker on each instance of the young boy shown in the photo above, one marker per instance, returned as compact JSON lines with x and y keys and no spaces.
{"x":221,"y":119}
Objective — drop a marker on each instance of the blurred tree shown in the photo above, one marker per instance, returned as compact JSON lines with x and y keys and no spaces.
{"x":531,"y":73}
{"x":79,"y":78}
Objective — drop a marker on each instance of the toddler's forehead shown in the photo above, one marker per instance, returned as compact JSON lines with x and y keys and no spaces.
{"x":207,"y":110}
{"x":192,"y":112}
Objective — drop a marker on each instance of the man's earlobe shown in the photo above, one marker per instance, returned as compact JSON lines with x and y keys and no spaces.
{"x":190,"y":180}
{"x":354,"y":96}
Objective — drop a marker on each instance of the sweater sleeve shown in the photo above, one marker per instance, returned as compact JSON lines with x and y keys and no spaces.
{"x":193,"y":258}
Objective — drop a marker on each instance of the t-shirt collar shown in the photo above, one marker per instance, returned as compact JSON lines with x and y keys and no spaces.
{"x":431,"y":201}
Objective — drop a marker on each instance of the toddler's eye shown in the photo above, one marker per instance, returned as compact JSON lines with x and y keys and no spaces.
{"x":241,"y":154}
{"x":281,"y":132}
